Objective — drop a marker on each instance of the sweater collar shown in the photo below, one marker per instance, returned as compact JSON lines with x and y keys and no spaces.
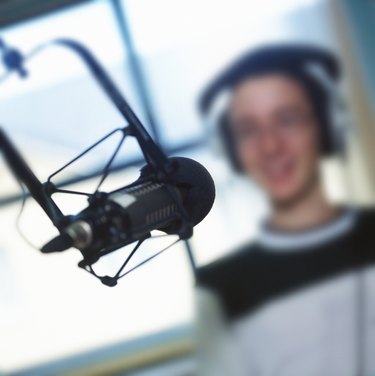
{"x":287,"y":241}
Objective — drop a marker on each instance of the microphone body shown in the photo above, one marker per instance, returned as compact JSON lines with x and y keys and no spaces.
{"x":115,"y":219}
{"x":119,"y":217}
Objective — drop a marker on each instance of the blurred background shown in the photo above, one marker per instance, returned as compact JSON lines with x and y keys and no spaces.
{"x":56,"y":319}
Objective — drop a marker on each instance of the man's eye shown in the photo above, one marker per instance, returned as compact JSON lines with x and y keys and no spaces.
{"x":245,"y":129}
{"x":289,"y":119}
{"x":245,"y":132}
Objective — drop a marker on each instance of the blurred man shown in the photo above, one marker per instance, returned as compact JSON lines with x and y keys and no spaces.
{"x":298,"y":300}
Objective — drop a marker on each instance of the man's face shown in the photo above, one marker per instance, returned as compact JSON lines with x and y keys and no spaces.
{"x":276,"y":135}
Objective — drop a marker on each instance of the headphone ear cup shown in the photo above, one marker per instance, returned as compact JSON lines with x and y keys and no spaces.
{"x":327,"y":145}
{"x":330,"y":144}
{"x":227,"y":141}
{"x":338,"y":121}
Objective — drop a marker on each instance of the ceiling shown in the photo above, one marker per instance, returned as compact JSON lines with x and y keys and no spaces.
{"x":15,"y":11}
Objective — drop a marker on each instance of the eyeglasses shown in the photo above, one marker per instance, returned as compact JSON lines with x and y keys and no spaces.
{"x":285,"y":127}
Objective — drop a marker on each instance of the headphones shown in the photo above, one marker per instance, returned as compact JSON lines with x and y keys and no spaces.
{"x":291,"y":61}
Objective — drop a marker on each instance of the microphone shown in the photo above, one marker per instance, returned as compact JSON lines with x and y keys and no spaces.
{"x":113,"y":220}
{"x":171,"y":195}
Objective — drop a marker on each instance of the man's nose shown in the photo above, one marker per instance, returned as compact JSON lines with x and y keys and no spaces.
{"x":270,"y":142}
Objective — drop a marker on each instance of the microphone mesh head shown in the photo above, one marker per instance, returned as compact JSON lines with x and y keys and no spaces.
{"x":200,"y":187}
{"x":196,"y":185}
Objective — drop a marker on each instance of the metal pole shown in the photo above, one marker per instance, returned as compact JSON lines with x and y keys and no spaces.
{"x":136,"y":70}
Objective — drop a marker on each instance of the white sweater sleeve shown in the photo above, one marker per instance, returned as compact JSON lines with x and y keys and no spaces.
{"x":216,"y":350}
